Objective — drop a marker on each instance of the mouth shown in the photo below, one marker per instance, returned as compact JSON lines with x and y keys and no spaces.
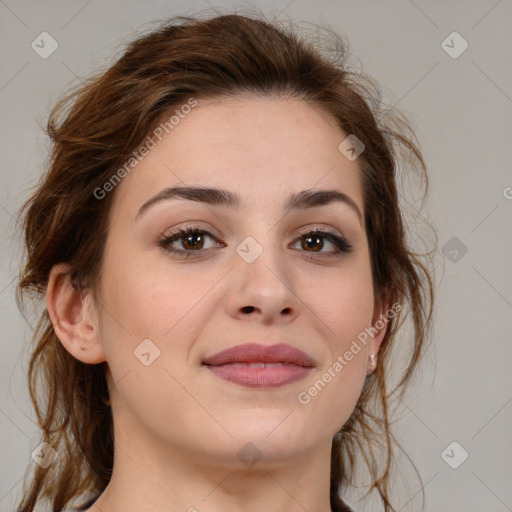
{"x":260,"y":366}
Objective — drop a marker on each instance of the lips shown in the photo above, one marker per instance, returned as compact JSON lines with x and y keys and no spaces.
{"x":259,"y":366}
{"x":252,"y":353}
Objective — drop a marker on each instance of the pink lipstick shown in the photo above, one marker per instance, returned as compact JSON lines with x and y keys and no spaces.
{"x":260,"y":366}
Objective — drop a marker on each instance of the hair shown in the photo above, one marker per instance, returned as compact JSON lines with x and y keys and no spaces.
{"x":97,"y":127}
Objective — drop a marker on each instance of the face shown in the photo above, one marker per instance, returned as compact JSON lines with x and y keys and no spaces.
{"x":255,"y":273}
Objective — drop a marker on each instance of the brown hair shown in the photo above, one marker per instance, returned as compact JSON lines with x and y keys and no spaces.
{"x":95,"y":130}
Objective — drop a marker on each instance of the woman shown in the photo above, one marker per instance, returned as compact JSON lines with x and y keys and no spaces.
{"x":222,"y":253}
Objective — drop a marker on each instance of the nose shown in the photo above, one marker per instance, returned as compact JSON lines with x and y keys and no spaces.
{"x":263,"y":290}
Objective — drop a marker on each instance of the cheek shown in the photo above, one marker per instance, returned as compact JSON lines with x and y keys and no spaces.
{"x":146,"y":296}
{"x":344,"y":303}
{"x":345,"y":308}
{"x":152,"y":301}
{"x":141,"y":304}
{"x":329,"y":397}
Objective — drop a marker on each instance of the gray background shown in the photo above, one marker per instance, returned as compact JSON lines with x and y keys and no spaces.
{"x":461,"y":109}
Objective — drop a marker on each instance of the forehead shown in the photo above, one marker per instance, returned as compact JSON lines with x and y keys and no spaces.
{"x":260,"y":148}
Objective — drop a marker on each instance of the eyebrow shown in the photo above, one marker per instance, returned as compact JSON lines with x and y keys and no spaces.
{"x":221,"y":197}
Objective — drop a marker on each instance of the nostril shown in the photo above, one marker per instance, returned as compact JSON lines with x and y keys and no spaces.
{"x":248,"y":309}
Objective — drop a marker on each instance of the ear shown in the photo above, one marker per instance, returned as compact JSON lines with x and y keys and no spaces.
{"x":74,"y":316}
{"x":380,"y":320}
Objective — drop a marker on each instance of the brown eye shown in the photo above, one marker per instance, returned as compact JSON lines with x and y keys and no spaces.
{"x":192,"y":240}
{"x":313,"y":241}
{"x":309,"y":242}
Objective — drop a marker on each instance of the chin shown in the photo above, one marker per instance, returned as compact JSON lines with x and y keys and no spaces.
{"x":274,"y":437}
{"x":266,"y":452}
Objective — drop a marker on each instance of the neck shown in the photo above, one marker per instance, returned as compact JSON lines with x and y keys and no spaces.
{"x":162,"y":478}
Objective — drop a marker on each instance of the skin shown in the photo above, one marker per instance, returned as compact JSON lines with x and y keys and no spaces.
{"x":178,"y":427}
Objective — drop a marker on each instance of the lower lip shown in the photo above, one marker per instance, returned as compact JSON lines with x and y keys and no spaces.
{"x":268,"y":377}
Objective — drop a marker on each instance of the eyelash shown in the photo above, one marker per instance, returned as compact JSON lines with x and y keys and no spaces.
{"x":342,"y":246}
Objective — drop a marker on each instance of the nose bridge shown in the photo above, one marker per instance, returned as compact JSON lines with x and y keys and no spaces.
{"x":261,"y":278}
{"x":261,"y":260}
{"x":261,"y":243}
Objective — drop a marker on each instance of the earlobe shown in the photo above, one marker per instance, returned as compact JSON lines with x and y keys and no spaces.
{"x":379,"y":329}
{"x":73,"y":317}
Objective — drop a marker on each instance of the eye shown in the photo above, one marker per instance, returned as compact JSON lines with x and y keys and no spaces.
{"x":192,"y":239}
{"x":314,"y":240}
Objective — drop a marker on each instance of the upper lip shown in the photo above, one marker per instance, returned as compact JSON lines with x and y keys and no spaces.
{"x":257,"y":353}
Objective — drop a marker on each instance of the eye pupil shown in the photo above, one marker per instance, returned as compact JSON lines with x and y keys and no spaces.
{"x":308,"y":239}
{"x":187,"y":240}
